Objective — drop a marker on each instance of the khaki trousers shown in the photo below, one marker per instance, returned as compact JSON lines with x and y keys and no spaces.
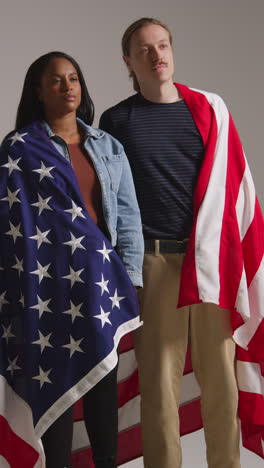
{"x":161,"y":347}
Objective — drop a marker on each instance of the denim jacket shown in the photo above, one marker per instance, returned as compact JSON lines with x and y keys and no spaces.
{"x":119,"y":200}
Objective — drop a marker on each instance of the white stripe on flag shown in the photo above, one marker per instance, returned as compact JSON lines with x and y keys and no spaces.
{"x":129,"y":414}
{"x":249,"y":377}
{"x":4,"y":463}
{"x":245,"y":333}
{"x":207,"y":241}
{"x":242,"y":300}
{"x":127,"y":365}
{"x":87,"y":382}
{"x":245,"y":206}
{"x":190,"y":389}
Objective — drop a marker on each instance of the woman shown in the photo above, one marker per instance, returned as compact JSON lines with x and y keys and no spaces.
{"x":67,"y":201}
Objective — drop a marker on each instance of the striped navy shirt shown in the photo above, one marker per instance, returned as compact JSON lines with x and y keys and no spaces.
{"x":165,"y":152}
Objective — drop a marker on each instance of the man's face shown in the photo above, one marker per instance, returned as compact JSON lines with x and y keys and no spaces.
{"x":151,"y":57}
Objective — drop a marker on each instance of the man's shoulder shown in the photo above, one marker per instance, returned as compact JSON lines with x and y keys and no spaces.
{"x":211,"y":97}
{"x":123,"y":105}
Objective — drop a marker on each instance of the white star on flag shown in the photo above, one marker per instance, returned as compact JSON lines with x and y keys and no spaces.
{"x":42,"y":306}
{"x":74,"y":311}
{"x":7,"y":332}
{"x":19,"y":265}
{"x":14,"y":231}
{"x":74,"y":276}
{"x":17,"y":137}
{"x":43,"y":341}
{"x":105,"y":252}
{"x":116,"y":299}
{"x":103,"y":285}
{"x":73,"y":346}
{"x":75,"y":211}
{"x":3,"y":300}
{"x":22,"y":300}
{"x":42,"y":271}
{"x":43,"y":376}
{"x":103,"y":317}
{"x":75,"y":243}
{"x":13,"y":365}
{"x":12,"y":165}
{"x":11,"y":197}
{"x":41,"y":237}
{"x":44,"y":171}
{"x":42,"y":204}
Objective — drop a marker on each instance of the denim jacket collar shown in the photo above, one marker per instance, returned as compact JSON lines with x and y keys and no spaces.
{"x":88,"y":130}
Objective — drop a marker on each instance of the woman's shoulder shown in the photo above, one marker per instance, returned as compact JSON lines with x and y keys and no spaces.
{"x":104,"y":140}
{"x":18,"y":135}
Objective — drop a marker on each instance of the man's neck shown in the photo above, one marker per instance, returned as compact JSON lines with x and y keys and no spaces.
{"x":66,"y":127}
{"x":161,"y":92}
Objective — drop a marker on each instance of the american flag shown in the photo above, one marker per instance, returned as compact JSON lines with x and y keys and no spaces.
{"x":224,"y":261}
{"x":65,"y":297}
{"x":223,"y":265}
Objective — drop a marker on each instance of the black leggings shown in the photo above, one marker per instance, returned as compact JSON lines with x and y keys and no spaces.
{"x":101,"y":421}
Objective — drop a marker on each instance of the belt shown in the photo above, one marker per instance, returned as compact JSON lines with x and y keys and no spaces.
{"x":165,"y":246}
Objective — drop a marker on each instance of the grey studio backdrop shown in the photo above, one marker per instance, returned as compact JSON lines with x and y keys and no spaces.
{"x":218,"y":47}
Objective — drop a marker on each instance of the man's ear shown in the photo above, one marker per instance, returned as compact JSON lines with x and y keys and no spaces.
{"x":127,"y":61}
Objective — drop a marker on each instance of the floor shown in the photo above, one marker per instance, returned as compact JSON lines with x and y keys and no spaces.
{"x":193,"y":448}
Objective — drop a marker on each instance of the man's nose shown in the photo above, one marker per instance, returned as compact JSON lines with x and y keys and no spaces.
{"x":156,"y":54}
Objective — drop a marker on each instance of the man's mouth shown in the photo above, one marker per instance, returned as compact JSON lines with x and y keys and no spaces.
{"x":160,"y":66}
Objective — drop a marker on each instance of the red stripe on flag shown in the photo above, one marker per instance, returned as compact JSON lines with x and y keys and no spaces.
{"x":254,"y":236}
{"x":128,"y":389}
{"x":190,"y":417}
{"x":252,"y":409}
{"x":129,"y":448}
{"x":130,"y":443}
{"x":256,"y":347}
{"x":17,"y":452}
{"x":126,"y":343}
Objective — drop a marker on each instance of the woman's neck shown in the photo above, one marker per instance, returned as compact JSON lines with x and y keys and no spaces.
{"x":66,"y":127}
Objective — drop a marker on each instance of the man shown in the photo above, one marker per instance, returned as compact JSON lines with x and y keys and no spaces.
{"x":194,"y":191}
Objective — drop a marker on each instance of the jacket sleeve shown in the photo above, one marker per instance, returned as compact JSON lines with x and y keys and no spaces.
{"x":130,"y":243}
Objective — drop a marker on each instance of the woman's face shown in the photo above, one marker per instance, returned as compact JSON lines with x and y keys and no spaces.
{"x":60,"y":90}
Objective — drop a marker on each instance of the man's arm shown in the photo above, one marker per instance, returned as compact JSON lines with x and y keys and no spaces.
{"x":106,"y":123}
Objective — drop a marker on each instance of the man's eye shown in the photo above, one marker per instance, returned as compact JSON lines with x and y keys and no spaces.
{"x":164,"y":46}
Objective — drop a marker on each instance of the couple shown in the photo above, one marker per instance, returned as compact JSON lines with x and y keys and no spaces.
{"x":67,"y":188}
